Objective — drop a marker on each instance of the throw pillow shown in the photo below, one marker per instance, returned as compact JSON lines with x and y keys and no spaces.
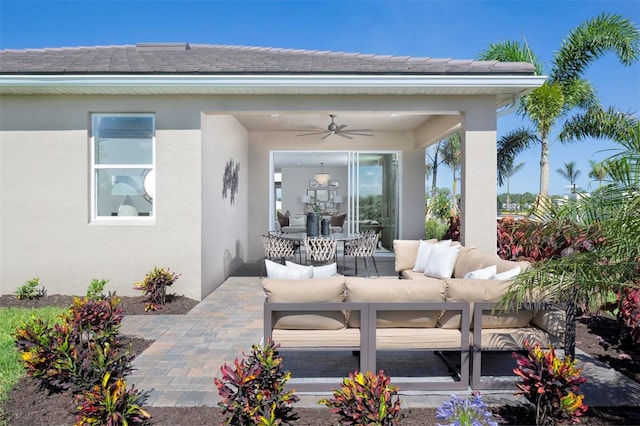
{"x":283,"y":219}
{"x":424,"y":251}
{"x":297,"y":221}
{"x":325,"y":271}
{"x":481,"y":274}
{"x":282,"y":272}
{"x":441,"y":261}
{"x":338,"y":220}
{"x":507,"y":275}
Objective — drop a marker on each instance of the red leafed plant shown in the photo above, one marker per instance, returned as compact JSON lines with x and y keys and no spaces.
{"x":551,"y":384}
{"x":252,"y":391}
{"x":366,"y":399}
{"x":629,"y":315}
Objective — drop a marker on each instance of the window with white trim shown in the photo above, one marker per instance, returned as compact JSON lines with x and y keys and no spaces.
{"x":123,"y":166}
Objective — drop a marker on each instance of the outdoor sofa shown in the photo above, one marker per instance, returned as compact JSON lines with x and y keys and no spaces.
{"x":454,"y":314}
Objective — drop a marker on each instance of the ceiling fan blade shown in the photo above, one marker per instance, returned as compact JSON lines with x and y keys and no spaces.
{"x":359,"y":130}
{"x":344,"y":135}
{"x":326,"y":136}
{"x":355,"y":134}
{"x":340,"y":127}
{"x":311,"y":134}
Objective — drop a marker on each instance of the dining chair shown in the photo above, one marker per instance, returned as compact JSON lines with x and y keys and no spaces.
{"x":363,"y":247}
{"x":320,"y":250}
{"x":276,"y":248}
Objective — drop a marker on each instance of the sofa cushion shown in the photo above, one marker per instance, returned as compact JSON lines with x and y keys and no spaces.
{"x":344,"y":338}
{"x":291,"y":271}
{"x":507,"y":275}
{"x":324,"y":271}
{"x":283,"y":219}
{"x":338,"y":219}
{"x":417,"y":338}
{"x":441,"y":261}
{"x":512,"y":339}
{"x":481,"y":274}
{"x":461,"y":290}
{"x":297,"y":221}
{"x":394,"y":290}
{"x":471,"y":259}
{"x":329,"y":290}
{"x":424,"y":252}
{"x":405,"y":253}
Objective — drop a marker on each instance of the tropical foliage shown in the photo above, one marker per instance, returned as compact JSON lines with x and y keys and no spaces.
{"x":252,"y":391}
{"x":365,"y":399}
{"x":154,"y":286}
{"x":566,"y":90}
{"x":609,"y":226}
{"x":550,"y":384}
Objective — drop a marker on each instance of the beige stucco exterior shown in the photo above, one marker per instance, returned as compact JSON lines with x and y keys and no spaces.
{"x":45,"y":221}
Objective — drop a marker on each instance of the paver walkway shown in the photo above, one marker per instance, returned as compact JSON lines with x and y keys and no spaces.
{"x":179,"y":367}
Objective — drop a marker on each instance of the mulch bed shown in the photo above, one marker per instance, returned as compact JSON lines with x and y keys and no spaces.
{"x":28,"y":405}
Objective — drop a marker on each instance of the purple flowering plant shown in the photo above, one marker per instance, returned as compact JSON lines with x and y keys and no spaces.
{"x":465,"y":412}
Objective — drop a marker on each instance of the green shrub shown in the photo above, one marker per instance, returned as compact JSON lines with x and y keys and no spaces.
{"x":434,"y":228}
{"x":96,"y":288}
{"x":111,"y":403}
{"x":366,"y":399}
{"x":30,"y":290}
{"x":550,"y":384}
{"x":154,"y":286}
{"x":252,"y":391}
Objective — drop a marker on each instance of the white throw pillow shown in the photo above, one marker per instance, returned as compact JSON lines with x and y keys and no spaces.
{"x":282,"y":272}
{"x":507,"y":275}
{"x":441,"y":261}
{"x":325,"y":271}
{"x":481,"y":274}
{"x":297,"y":221}
{"x":424,"y":251}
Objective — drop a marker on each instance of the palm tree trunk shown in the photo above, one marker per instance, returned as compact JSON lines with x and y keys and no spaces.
{"x":544,"y":166}
{"x":454,"y":203}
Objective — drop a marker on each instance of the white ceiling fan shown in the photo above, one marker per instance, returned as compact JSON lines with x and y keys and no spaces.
{"x":334,"y":129}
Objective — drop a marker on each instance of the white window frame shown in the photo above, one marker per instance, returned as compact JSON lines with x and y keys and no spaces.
{"x":95,"y":167}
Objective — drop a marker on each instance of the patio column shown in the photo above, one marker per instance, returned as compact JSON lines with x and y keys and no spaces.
{"x":478,"y":176}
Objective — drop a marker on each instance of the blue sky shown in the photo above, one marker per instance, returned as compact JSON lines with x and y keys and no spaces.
{"x":450,"y":29}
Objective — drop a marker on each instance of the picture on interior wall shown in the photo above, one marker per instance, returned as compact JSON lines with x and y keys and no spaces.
{"x":311,"y":193}
{"x":332,"y":194}
{"x":322,"y":194}
{"x":314,"y":184}
{"x":334,"y":184}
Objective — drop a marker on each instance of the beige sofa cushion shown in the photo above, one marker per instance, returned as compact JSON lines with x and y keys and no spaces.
{"x":344,"y":338}
{"x":405,"y":252}
{"x":464,"y":290}
{"x":510,"y":339}
{"x":394,"y":290}
{"x":307,"y":291}
{"x":470,"y":259}
{"x":417,"y":338}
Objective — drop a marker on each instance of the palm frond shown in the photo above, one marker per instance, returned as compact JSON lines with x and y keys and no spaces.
{"x":592,"y":40}
{"x":600,"y":124}
{"x":511,"y":51}
{"x":509,"y":146}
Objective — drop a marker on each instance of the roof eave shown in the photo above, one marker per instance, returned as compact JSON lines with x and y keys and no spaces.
{"x":517,"y":85}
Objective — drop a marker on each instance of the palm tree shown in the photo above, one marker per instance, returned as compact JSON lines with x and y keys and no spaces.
{"x":565,"y":88}
{"x":452,"y":156}
{"x":597,"y":172}
{"x":509,"y":172}
{"x":570,"y":173}
{"x":607,"y":225}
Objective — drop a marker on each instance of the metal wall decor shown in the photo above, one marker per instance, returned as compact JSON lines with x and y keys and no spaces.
{"x":230,"y":180}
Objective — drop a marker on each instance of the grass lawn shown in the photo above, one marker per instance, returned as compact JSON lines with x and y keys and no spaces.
{"x":10,"y":368}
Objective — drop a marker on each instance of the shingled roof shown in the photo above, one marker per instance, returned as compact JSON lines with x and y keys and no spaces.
{"x":190,"y":59}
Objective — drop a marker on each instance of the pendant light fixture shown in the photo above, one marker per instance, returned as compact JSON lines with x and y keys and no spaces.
{"x":322,"y":178}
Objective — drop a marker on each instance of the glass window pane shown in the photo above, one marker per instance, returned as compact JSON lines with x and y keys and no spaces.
{"x":125,"y":139}
{"x":121,"y":192}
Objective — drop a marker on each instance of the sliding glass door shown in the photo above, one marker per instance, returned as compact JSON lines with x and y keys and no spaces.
{"x":363,"y":184}
{"x":374,"y":194}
